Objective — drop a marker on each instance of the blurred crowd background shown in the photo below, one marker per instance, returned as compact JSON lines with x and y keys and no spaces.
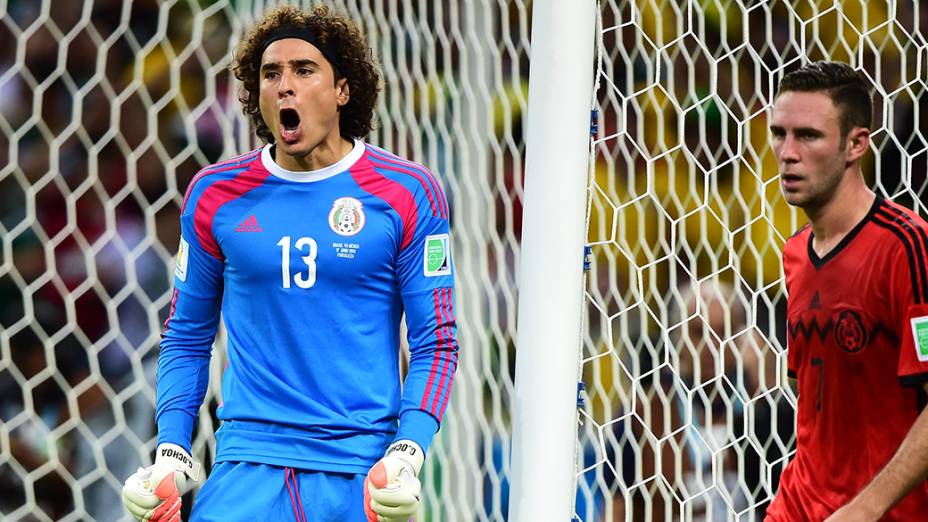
{"x":109,"y":107}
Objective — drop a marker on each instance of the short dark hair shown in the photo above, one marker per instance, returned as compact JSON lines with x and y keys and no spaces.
{"x":337,"y":33}
{"x":850,"y":90}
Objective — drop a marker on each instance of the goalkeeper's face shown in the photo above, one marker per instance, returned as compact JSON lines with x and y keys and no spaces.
{"x":299,"y":97}
{"x":812,"y":155}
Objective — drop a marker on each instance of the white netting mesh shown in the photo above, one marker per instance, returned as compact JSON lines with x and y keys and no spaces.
{"x":107,"y":109}
{"x":688,"y":416}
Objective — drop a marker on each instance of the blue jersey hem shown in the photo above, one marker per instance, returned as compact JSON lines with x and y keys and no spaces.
{"x":246,"y":441}
{"x":290,"y":462}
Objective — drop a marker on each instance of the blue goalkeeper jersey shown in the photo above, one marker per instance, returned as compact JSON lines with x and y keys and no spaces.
{"x":312,"y":272}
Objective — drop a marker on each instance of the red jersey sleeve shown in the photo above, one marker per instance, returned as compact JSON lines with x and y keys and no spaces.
{"x":909,"y":294}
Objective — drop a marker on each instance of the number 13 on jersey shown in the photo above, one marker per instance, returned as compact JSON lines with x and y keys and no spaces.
{"x":302,"y":280}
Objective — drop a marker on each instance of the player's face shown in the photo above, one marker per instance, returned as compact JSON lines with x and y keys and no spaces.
{"x":806,"y":128}
{"x":299,"y":97}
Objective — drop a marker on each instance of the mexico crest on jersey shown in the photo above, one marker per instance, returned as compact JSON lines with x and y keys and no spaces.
{"x":346,"y":217}
{"x":851,"y":334}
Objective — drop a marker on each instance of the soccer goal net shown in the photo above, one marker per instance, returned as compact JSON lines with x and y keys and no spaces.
{"x":688,"y":415}
{"x":109,"y":107}
{"x":107,"y":110}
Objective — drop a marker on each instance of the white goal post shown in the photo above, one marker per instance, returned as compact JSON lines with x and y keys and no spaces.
{"x":551,"y":277}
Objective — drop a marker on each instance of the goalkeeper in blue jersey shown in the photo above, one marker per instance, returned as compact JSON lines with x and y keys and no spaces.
{"x":313,"y":247}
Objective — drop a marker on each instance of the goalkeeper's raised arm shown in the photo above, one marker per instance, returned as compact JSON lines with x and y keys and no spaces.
{"x":313,"y":247}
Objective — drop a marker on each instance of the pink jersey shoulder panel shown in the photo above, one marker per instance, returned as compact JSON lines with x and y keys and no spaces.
{"x":425,"y":178}
{"x":218,"y":194}
{"x":393,"y":193}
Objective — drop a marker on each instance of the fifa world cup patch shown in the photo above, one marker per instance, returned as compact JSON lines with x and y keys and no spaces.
{"x":920,"y":335}
{"x":437,"y":256}
{"x":183,"y":253}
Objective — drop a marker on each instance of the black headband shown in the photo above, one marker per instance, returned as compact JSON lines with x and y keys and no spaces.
{"x":301,"y":33}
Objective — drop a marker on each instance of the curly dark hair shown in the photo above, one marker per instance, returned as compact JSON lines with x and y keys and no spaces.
{"x":850,"y":90}
{"x":339,"y":34}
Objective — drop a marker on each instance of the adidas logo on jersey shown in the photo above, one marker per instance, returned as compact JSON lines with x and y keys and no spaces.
{"x":816,"y":303}
{"x":249,"y":224}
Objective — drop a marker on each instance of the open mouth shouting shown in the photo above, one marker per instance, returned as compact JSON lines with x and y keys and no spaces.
{"x":290,"y":131}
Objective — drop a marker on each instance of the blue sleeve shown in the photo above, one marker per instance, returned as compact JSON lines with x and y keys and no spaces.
{"x":426,"y":277}
{"x":186,"y":344}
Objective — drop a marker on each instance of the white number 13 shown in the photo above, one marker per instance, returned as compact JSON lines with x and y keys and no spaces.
{"x":302,"y":280}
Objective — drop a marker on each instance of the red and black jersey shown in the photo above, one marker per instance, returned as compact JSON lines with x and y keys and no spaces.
{"x":850,"y":324}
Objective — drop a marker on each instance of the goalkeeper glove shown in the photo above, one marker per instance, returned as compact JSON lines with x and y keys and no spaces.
{"x":391,"y":489}
{"x":153,"y":494}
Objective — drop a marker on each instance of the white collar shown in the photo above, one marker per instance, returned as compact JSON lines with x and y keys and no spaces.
{"x":312,"y":175}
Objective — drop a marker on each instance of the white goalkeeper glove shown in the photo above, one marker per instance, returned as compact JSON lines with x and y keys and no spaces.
{"x":392,"y":488}
{"x":153,"y":494}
